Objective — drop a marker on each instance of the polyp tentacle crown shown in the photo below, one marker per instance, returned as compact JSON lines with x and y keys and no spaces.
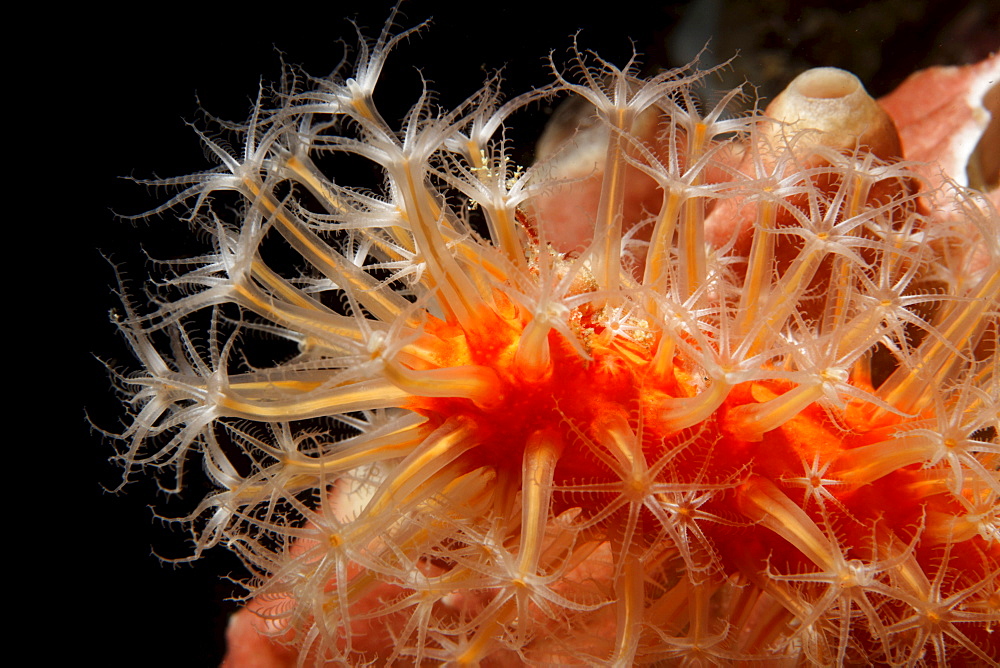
{"x":547,"y":430}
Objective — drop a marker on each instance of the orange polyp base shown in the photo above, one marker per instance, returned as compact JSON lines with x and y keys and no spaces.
{"x":579,"y":398}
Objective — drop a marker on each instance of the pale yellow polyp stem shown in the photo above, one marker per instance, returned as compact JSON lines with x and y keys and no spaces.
{"x":752,"y":421}
{"x":618,"y":438}
{"x":756,"y":285}
{"x":263,"y":388}
{"x":313,"y":179}
{"x":692,"y":246}
{"x":384,"y":304}
{"x":691,"y":235}
{"x":860,"y":333}
{"x":362,"y":103}
{"x":909,"y":573}
{"x":479,"y":384}
{"x":868,"y":463}
{"x":784,"y":299}
{"x":912,"y":390}
{"x":838,"y":300}
{"x":500,"y":217}
{"x":486,"y":637}
{"x":663,"y":359}
{"x":697,"y":142}
{"x":282,"y":288}
{"x":841,"y":281}
{"x":765,"y":613}
{"x":669,"y":612}
{"x":367,"y":395}
{"x":539,"y":463}
{"x":699,"y":594}
{"x":505,"y":227}
{"x":456,"y":292}
{"x":473,"y":255}
{"x":608,"y":228}
{"x":948,"y":528}
{"x":330,"y":328}
{"x":658,"y":259}
{"x":396,"y":444}
{"x":630,"y":598}
{"x":446,"y":444}
{"x":683,"y":412}
{"x":760,"y":500}
{"x":533,"y":357}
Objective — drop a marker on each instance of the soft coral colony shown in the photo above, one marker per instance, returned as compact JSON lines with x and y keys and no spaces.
{"x":689,"y":389}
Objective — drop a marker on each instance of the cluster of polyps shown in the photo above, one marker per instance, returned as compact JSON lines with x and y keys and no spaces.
{"x":752,"y":416}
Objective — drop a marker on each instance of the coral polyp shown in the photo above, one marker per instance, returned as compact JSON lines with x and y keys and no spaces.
{"x":743,"y":406}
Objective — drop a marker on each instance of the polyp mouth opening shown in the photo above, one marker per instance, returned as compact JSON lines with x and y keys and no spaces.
{"x":826,"y":83}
